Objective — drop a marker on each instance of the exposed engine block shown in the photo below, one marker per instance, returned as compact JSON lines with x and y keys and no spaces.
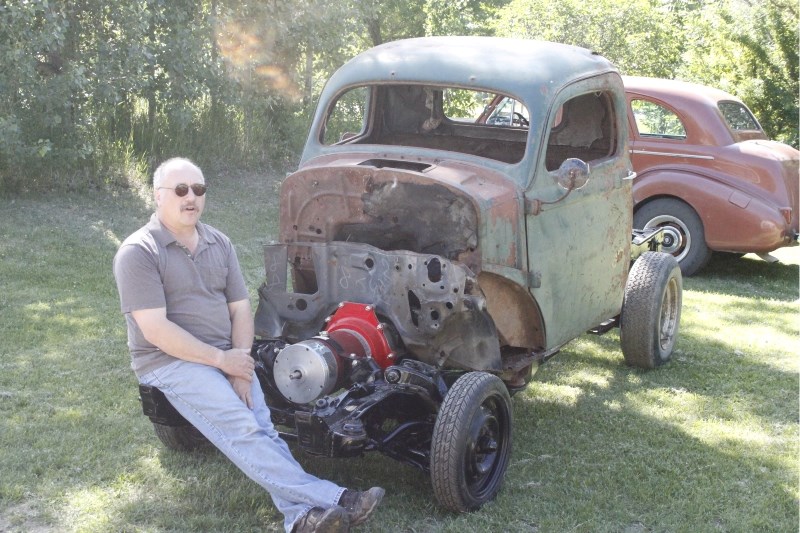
{"x":316,"y":367}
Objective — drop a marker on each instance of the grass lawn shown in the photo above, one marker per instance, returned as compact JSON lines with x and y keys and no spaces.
{"x":707,"y":443}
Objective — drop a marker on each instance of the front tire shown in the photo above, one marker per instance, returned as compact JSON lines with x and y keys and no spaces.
{"x":651,"y":310}
{"x":684,"y":238}
{"x":471,"y":443}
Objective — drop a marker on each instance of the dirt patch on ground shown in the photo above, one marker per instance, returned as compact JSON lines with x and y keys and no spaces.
{"x":23,"y":518}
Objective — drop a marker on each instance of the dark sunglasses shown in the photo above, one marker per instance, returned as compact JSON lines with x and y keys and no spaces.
{"x":182,"y":189}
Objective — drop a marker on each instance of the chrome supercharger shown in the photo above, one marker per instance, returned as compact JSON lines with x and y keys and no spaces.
{"x":314,"y":368}
{"x":335,"y":392}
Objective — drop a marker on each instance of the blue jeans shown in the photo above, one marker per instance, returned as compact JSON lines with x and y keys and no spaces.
{"x":247,"y":437}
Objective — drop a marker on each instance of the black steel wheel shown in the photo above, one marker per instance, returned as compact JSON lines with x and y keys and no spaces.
{"x":684,"y":236}
{"x":471,"y":443}
{"x":180,"y":438}
{"x":651,"y":310}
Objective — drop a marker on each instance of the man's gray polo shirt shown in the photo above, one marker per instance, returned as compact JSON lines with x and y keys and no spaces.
{"x":153,"y":271}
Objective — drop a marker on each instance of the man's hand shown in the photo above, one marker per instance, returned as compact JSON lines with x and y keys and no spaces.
{"x":242,"y":389}
{"x":237,"y":363}
{"x":177,"y":342}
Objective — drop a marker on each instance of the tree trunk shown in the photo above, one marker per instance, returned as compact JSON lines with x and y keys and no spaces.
{"x":374,"y":29}
{"x":308,"y":75}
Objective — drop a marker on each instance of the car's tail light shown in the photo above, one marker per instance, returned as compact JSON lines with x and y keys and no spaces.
{"x":787,"y":214}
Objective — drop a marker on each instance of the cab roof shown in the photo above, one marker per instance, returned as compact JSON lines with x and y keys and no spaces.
{"x":514,"y":66}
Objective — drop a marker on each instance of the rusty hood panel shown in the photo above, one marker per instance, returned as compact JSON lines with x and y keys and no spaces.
{"x":457,"y":210}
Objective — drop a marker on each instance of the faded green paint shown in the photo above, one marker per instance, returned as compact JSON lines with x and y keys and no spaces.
{"x":580,"y":247}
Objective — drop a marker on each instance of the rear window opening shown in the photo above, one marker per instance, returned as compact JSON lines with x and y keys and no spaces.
{"x":466,"y":121}
{"x":738,"y":117}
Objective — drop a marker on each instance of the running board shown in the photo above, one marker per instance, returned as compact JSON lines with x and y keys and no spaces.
{"x":605,"y":326}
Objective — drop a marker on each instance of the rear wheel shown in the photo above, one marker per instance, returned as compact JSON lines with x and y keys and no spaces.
{"x":651,"y":310}
{"x":180,"y":438}
{"x":684,"y":235}
{"x":471,"y":443}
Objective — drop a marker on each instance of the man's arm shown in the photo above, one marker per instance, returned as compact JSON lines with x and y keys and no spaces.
{"x":177,"y":342}
{"x":242,"y":333}
{"x":242,"y":329}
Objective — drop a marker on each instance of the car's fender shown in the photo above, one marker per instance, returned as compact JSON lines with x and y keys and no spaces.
{"x":756,"y":227}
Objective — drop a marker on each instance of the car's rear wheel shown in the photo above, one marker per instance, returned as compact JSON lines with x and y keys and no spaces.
{"x":651,"y":310}
{"x":684,"y":236}
{"x":471,"y":443}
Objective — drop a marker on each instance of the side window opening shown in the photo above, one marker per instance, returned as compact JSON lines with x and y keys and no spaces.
{"x":654,"y":120}
{"x":582,"y":128}
{"x":347,"y":118}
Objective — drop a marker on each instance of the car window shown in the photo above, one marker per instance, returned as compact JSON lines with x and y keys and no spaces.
{"x":347,"y":118}
{"x":474,"y":122}
{"x":738,"y":116}
{"x":504,"y":111}
{"x":654,"y":120}
{"x":464,"y":105}
{"x":582,"y":128}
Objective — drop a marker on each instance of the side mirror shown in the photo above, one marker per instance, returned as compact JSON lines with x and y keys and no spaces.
{"x":572,"y":174}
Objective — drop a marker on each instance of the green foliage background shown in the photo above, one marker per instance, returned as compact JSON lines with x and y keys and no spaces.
{"x":94,"y":93}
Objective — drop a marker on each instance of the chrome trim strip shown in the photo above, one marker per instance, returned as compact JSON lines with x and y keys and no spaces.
{"x":671,"y":154}
{"x":631,"y":176}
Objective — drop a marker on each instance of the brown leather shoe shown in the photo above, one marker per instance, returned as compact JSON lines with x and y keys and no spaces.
{"x":359,"y":505}
{"x":319,"y":520}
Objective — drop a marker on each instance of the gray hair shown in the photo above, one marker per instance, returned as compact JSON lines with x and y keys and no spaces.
{"x":161,"y":171}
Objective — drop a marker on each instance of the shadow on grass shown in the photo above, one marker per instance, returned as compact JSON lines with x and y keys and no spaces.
{"x":753,"y":278}
{"x":668,"y":450}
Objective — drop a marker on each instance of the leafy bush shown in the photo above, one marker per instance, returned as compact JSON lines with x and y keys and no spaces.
{"x":94,"y":94}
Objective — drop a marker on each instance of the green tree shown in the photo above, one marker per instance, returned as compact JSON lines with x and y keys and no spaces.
{"x":461,"y":17}
{"x":641,"y":37}
{"x":92,"y":91}
{"x":41,"y":90}
{"x":88,"y":86}
{"x":769,"y":64}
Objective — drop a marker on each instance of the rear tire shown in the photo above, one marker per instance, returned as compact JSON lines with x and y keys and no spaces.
{"x":651,"y":310}
{"x":685,"y":238}
{"x":180,"y":438}
{"x":471,"y":443}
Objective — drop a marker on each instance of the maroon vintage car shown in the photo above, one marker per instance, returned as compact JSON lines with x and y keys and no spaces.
{"x":708,"y":173}
{"x":706,"y":170}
